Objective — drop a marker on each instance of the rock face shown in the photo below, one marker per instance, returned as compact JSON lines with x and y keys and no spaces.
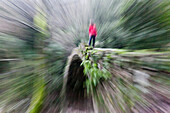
{"x":137,"y":84}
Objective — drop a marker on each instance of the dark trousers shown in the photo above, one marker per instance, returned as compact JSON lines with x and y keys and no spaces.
{"x":92,"y":37}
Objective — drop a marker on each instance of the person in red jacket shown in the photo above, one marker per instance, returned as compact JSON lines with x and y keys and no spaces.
{"x":92,"y":33}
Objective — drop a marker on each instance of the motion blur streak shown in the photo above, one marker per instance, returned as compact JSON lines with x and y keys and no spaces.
{"x":47,"y":67}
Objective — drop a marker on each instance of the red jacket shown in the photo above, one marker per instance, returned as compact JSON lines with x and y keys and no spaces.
{"x":92,"y":30}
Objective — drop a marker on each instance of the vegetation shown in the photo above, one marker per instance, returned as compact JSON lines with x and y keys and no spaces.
{"x":92,"y":69}
{"x":128,"y":80}
{"x":35,"y":45}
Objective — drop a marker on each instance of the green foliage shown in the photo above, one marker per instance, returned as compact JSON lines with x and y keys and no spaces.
{"x":29,"y":70}
{"x":26,"y":63}
{"x":139,"y":24}
{"x":94,"y":74}
{"x":38,"y":96}
{"x":146,"y":25}
{"x":122,"y":91}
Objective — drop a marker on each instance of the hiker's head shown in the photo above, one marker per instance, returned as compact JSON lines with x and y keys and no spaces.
{"x":91,"y":22}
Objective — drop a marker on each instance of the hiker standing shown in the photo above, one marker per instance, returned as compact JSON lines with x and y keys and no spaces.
{"x":92,"y":33}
